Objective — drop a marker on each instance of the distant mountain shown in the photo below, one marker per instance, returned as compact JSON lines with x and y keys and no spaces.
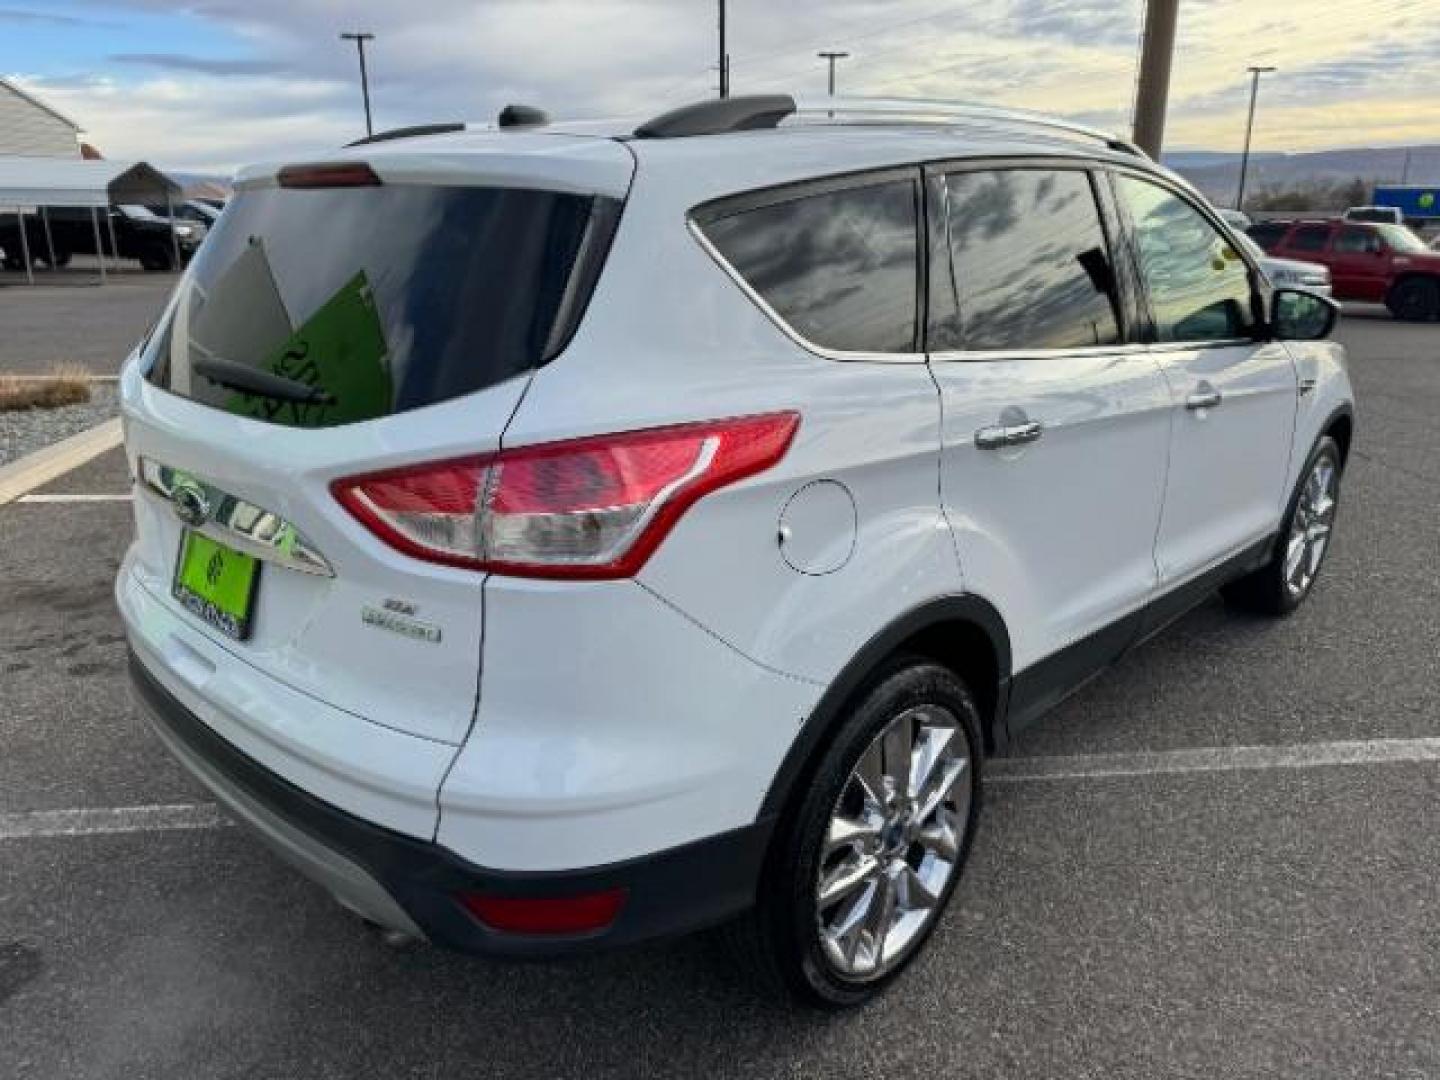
{"x":1217,"y":174}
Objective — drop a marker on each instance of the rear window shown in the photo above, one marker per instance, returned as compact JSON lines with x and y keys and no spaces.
{"x":840,"y":267}
{"x":316,"y":308}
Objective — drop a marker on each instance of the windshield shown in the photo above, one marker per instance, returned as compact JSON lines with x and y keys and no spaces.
{"x":378,"y":299}
{"x":1402,"y":239}
{"x":135,"y":212}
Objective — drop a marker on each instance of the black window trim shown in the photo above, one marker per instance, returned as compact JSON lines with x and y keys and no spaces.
{"x":1259,"y":291}
{"x":732,"y":205}
{"x":1120,"y":257}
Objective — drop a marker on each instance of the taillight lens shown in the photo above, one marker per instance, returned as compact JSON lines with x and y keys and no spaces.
{"x":585,"y":508}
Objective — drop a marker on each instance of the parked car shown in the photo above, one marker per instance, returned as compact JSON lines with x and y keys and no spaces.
{"x":138,"y":233}
{"x":675,"y":557}
{"x":1376,"y":263}
{"x":1293,"y":273}
{"x":1391,"y":215}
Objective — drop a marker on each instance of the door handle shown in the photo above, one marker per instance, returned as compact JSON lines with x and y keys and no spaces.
{"x":1205,"y":397}
{"x":993,"y":438}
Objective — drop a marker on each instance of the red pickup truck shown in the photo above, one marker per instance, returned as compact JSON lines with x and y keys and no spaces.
{"x":1379,"y":263}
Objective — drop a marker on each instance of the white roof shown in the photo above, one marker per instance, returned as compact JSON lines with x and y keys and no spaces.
{"x":38,"y":181}
{"x":33,"y":100}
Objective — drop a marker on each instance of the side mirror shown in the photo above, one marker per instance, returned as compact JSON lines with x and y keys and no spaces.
{"x":1302,"y":316}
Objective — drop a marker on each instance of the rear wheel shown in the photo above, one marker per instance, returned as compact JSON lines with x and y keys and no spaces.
{"x":862,"y":870}
{"x":1415,"y":299}
{"x":1283,"y":583}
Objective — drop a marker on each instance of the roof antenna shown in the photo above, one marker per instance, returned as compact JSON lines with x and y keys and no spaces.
{"x":514,"y":116}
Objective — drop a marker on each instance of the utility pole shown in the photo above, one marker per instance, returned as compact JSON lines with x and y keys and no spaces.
{"x":1255,"y":73}
{"x":832,"y":57}
{"x":360,"y":37}
{"x":1153,"y":92}
{"x":724,"y":56}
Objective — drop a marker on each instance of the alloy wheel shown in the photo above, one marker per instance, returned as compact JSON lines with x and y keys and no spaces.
{"x":893,"y":842}
{"x":1310,"y":529}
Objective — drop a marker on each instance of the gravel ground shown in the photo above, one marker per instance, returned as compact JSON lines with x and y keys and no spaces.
{"x":29,"y":430}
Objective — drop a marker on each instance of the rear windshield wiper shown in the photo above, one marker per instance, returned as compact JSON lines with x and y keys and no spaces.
{"x":264,"y":384}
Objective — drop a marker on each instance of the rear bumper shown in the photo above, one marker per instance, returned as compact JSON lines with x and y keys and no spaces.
{"x":412,"y":885}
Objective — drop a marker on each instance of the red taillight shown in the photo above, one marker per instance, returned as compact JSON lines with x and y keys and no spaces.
{"x":586,"y":508}
{"x":546,"y":915}
{"x":328,"y":175}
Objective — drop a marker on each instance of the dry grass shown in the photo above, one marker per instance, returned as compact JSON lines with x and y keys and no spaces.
{"x":63,"y":386}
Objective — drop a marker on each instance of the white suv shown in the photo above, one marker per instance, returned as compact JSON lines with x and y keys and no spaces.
{"x":551,"y":537}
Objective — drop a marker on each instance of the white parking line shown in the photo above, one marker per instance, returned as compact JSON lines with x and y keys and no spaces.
{"x":72,"y":497}
{"x":115,"y":819}
{"x":30,"y":472}
{"x":136,"y":819}
{"x":1215,"y":759}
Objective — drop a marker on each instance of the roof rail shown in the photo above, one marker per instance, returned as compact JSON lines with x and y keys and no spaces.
{"x":409,"y":133}
{"x":918,"y":111}
{"x":719,"y":116}
{"x":770,"y":110}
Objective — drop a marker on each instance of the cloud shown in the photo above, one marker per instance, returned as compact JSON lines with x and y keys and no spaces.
{"x":45,"y":18}
{"x":277,"y":73}
{"x":202,"y":64}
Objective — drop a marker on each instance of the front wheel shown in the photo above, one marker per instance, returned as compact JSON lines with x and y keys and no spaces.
{"x":1283,"y":583}
{"x":1416,"y":299}
{"x":867,"y":861}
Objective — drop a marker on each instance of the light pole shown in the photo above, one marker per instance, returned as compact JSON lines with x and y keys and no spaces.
{"x":724,"y":56}
{"x":1152,"y":88}
{"x":1255,"y":73}
{"x":832,"y":57}
{"x":360,"y":37}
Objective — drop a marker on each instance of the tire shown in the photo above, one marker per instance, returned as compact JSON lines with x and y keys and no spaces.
{"x":62,"y":258}
{"x":1415,"y":299}
{"x":792,"y":941}
{"x":156,"y":261}
{"x":1275,"y":589}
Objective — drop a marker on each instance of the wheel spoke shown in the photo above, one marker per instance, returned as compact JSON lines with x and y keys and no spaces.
{"x":1294,"y":557}
{"x":845,"y":878}
{"x":870,"y":775}
{"x":916,"y":894}
{"x":898,"y":745}
{"x":929,"y":754}
{"x":939,"y":838}
{"x":940,"y":788}
{"x":882,"y":913}
{"x":848,"y":832}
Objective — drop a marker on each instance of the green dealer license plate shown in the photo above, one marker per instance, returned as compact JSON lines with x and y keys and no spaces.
{"x":217,"y":583}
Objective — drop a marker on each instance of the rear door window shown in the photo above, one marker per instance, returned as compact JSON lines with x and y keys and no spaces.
{"x":316,"y":308}
{"x":840,"y":268}
{"x":1198,"y":286}
{"x":1268,"y":234}
{"x":1309,"y":238}
{"x":1021,"y":263}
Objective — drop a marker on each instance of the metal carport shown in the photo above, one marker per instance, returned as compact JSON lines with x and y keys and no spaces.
{"x":41,"y":182}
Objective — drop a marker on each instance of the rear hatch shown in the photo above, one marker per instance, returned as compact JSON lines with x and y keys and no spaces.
{"x":341,"y":319}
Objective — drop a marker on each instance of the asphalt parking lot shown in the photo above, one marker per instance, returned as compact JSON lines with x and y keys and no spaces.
{"x":1132,"y":909}
{"x":67,"y":319}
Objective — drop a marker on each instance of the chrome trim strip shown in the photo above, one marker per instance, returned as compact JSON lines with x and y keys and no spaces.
{"x":237,"y":523}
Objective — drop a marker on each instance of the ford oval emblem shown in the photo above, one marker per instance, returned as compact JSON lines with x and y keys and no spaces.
{"x":192,"y":505}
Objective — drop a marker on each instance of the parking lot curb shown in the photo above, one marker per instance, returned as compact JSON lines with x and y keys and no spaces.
{"x":31,"y":471}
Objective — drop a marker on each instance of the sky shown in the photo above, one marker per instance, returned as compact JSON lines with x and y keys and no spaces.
{"x":209,"y":85}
